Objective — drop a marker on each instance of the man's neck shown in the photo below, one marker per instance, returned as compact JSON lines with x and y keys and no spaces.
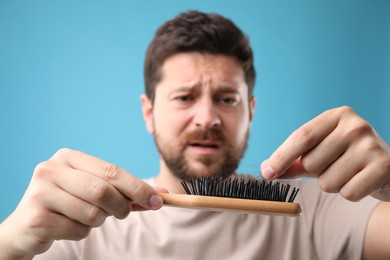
{"x":167,"y":180}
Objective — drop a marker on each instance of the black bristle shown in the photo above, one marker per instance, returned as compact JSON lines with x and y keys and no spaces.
{"x":215,"y":185}
{"x":293,"y":195}
{"x":193,"y":185}
{"x":226,"y":188}
{"x":240,"y":188}
{"x":184,"y":184}
{"x":201,"y":186}
{"x":220,"y":187}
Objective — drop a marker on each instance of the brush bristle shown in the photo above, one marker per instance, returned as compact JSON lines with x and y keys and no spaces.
{"x":240,"y":188}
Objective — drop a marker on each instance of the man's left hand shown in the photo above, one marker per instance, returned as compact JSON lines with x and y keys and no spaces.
{"x":342,"y":150}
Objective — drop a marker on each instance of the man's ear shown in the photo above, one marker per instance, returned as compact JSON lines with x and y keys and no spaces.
{"x":147,"y":112}
{"x":252,"y":104}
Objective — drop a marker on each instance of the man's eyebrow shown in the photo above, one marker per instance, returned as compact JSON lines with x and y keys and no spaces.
{"x":227,"y":89}
{"x":222,"y":89}
{"x":183,"y":88}
{"x":186,"y":88}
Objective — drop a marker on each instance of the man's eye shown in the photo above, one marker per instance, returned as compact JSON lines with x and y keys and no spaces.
{"x":184,"y":98}
{"x":228,"y":101}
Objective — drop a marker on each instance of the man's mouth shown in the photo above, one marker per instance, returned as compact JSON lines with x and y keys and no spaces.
{"x":205,"y":144}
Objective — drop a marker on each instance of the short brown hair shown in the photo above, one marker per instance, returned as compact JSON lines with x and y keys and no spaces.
{"x":194,"y":31}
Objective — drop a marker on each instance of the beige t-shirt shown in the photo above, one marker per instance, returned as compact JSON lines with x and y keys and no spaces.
{"x":330,"y":227}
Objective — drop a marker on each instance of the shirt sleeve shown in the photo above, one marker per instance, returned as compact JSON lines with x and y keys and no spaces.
{"x":337,"y":226}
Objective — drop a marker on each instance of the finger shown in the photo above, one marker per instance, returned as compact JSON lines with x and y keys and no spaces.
{"x":325,"y":153}
{"x":341,"y":171}
{"x":92,"y":190}
{"x":52,"y":225}
{"x":64,"y":203}
{"x":295,"y":170}
{"x":362,"y":184}
{"x":298,"y":143}
{"x":130,"y":186}
{"x":137,"y":207}
{"x":160,"y":190}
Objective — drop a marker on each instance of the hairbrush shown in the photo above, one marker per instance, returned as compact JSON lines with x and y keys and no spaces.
{"x":235,"y":194}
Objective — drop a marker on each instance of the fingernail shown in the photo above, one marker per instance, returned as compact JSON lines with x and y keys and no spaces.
{"x":155,"y":202}
{"x":269,"y":172}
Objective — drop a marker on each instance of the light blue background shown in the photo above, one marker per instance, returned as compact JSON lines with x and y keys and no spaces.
{"x":71,"y":75}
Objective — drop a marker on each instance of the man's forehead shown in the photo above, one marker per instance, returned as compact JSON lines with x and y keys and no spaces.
{"x":193,"y":70}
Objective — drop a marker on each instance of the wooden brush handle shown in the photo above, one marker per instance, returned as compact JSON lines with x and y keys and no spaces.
{"x":231,"y":204}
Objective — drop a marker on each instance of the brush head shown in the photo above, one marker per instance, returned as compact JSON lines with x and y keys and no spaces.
{"x":252,"y":189}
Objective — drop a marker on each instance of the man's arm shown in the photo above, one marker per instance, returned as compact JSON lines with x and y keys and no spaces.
{"x":377,"y":241}
{"x":347,"y":156}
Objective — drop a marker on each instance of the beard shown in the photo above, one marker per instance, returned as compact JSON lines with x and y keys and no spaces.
{"x":222,"y":164}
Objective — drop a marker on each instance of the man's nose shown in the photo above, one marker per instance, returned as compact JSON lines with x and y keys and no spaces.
{"x":206,"y":114}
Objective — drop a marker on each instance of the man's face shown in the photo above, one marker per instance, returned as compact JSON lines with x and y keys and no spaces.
{"x":201,"y":115}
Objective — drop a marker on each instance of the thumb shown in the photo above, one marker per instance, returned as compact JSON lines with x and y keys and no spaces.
{"x":137,"y":207}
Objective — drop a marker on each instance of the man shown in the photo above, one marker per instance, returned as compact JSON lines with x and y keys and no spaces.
{"x":199,"y":104}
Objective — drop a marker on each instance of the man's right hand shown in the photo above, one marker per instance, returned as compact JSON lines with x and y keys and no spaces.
{"x":68,"y":195}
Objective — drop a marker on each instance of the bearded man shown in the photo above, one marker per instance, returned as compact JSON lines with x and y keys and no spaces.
{"x":199,"y":106}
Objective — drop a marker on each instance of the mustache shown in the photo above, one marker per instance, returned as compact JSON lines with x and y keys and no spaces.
{"x":209,"y":135}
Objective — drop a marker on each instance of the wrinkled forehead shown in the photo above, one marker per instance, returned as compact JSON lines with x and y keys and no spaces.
{"x":202,"y":70}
